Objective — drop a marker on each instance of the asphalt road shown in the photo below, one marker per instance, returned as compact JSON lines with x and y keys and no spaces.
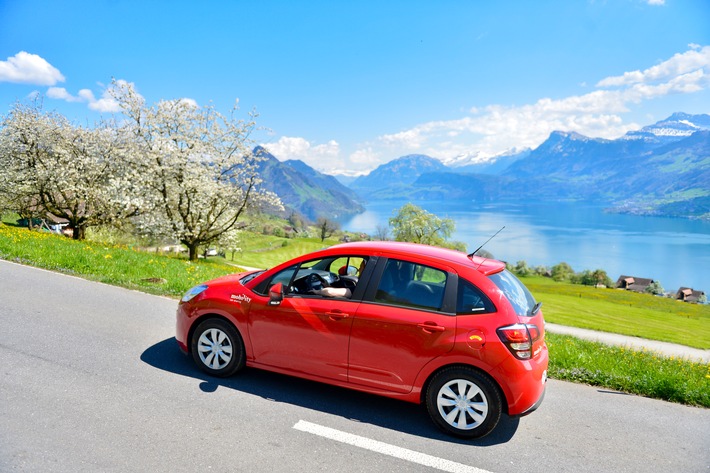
{"x":92,"y":380}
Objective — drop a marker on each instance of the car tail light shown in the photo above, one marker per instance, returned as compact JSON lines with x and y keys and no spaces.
{"x":519,"y":339}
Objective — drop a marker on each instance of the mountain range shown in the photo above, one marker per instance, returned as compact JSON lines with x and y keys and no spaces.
{"x":661,"y":169}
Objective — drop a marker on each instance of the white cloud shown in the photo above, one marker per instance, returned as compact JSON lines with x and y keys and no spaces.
{"x":413,"y":138}
{"x":87,"y":95}
{"x":363,"y":159}
{"x":106,"y":104}
{"x":26,"y":68}
{"x":60,"y":93}
{"x":656,"y":2}
{"x":287,"y":147}
{"x":693,"y":60}
{"x":189,"y":102}
{"x":494,"y":129}
{"x":320,"y":156}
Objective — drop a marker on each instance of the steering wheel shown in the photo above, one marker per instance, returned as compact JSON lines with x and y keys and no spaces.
{"x":348,"y":282}
{"x":315,"y":281}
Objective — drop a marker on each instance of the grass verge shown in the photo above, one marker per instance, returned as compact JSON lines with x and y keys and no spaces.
{"x":112,"y":264}
{"x":631,"y":371}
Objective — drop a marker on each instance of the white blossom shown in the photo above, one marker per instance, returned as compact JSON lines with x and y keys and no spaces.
{"x":199,"y":167}
{"x":54,"y":168}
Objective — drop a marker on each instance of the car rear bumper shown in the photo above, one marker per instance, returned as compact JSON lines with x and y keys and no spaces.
{"x":534,"y":407}
{"x":523,"y":383}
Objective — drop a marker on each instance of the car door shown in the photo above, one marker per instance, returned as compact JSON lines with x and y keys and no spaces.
{"x":401,"y":325}
{"x":304,"y":333}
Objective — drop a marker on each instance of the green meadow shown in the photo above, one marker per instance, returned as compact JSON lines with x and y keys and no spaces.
{"x":624,"y":312}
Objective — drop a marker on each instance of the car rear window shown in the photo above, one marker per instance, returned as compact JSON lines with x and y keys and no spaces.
{"x":518,"y":295}
{"x":471,"y":300}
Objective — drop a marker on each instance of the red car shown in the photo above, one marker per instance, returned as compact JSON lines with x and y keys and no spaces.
{"x":423,"y":324}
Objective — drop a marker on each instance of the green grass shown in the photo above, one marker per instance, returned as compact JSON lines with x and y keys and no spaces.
{"x":623,"y":312}
{"x":632,"y":371}
{"x":266,"y":251}
{"x":111,"y":264}
{"x":152,"y":272}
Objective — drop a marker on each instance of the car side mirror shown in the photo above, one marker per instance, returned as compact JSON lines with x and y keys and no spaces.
{"x":276,"y":294}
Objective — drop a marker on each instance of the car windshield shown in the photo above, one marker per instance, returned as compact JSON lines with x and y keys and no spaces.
{"x":519,"y":296}
{"x":250,"y":276}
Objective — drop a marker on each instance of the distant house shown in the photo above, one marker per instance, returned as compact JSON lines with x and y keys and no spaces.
{"x":49,"y":222}
{"x":688,"y":294}
{"x":631,"y":283}
{"x":58,"y":225}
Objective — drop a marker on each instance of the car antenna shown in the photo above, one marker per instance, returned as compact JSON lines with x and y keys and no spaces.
{"x":496,"y":233}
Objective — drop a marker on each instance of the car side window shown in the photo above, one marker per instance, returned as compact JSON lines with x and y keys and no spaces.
{"x":471,"y":300}
{"x":411,"y":284}
{"x":284,"y":277}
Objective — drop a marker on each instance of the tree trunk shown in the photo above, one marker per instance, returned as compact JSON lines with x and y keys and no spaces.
{"x":192,"y":247}
{"x":78,"y":232}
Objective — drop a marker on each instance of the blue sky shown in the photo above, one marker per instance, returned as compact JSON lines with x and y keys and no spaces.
{"x":348,"y":85}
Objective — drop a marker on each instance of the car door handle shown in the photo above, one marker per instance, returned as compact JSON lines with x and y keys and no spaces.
{"x":431,"y":327}
{"x":337,"y":315}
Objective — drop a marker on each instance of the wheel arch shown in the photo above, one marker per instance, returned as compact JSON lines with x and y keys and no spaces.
{"x":479,"y":370}
{"x":214,"y":315}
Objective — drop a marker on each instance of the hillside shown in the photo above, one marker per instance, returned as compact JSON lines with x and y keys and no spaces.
{"x":306,"y":191}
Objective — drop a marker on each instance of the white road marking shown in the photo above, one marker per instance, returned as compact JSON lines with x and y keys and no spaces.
{"x":386,"y":449}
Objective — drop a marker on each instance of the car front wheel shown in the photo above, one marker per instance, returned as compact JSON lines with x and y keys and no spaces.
{"x":217,"y":348}
{"x":463,"y":402}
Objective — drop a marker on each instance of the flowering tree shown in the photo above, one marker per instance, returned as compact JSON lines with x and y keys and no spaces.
{"x":229,"y":241}
{"x":17,"y":191}
{"x":73,"y":173}
{"x":200,"y":169}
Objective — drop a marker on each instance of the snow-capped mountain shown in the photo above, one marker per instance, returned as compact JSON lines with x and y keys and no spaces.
{"x":676,"y":127}
{"x":466,"y":159}
{"x":478,"y":162}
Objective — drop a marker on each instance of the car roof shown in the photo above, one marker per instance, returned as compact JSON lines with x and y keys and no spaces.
{"x":483,"y":265}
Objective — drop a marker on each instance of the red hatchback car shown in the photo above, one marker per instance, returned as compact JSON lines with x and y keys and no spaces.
{"x":423,"y":324}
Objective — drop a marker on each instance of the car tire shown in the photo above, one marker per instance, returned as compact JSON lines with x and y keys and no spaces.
{"x":463,"y":402}
{"x":217,"y":348}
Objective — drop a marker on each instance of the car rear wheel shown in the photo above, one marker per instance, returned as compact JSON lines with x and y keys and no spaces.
{"x":463,"y":402}
{"x":217,"y":348}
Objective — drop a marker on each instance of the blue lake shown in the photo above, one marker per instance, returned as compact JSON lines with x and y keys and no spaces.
{"x":675,"y":252}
